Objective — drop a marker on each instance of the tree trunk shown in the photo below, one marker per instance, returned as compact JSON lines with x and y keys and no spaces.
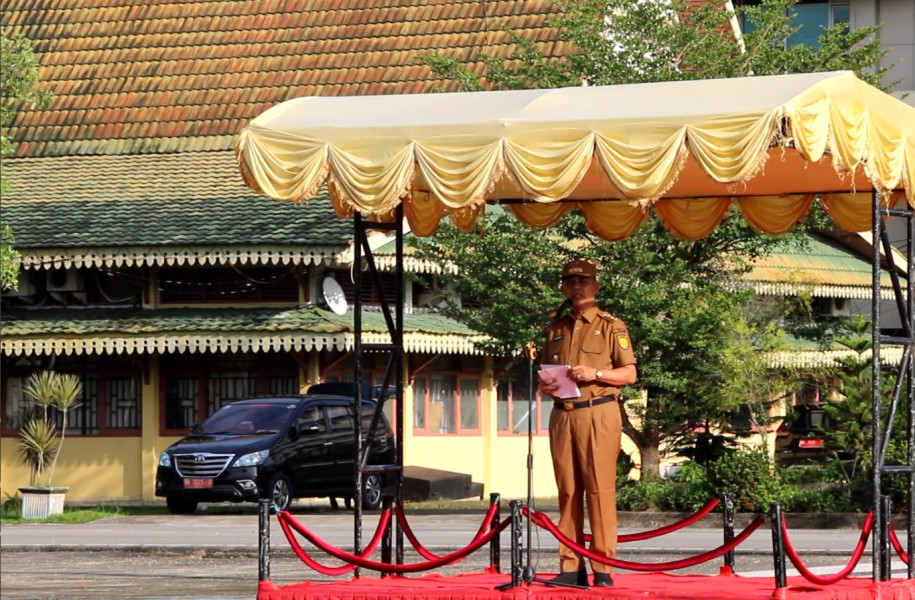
{"x":651,"y":462}
{"x":648,"y":444}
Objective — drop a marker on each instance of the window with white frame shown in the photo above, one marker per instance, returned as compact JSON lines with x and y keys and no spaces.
{"x":515,"y":409}
{"x":446,"y":390}
{"x":446,"y":403}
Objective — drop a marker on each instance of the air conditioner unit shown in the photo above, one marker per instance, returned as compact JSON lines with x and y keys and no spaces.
{"x":835,"y":307}
{"x":64,"y":280}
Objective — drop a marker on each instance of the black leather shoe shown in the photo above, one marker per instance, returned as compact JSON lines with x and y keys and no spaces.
{"x":573,"y":578}
{"x":603,"y":580}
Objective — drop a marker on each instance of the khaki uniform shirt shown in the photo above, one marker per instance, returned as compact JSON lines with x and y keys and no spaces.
{"x":598,"y":339}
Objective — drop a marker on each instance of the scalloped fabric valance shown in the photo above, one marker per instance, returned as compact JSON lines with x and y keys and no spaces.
{"x":687,"y":149}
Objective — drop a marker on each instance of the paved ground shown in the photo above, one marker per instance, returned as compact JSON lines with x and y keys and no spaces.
{"x":214,"y":557}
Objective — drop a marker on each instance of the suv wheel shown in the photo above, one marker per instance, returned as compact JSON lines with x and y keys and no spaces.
{"x":372,"y":489}
{"x":280,"y":491}
{"x":180,"y":506}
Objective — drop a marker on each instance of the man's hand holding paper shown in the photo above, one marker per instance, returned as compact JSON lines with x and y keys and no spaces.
{"x":557,"y":383}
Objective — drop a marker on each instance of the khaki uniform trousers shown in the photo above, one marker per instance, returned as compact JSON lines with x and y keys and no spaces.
{"x":585,"y":444}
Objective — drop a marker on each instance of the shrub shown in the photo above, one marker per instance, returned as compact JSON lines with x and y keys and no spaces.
{"x":690,"y":488}
{"x":642,"y":496}
{"x":750,"y":475}
{"x":12,"y":506}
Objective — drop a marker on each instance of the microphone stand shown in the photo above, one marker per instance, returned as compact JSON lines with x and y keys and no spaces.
{"x":527,"y":574}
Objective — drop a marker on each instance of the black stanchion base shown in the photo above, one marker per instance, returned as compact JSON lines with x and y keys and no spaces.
{"x":528,"y":577}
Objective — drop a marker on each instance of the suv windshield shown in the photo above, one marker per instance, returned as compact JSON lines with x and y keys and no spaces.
{"x":246,"y":419}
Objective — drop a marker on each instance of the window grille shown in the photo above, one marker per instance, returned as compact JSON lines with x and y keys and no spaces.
{"x":282,"y":386}
{"x":227,"y":387}
{"x":123,"y":399}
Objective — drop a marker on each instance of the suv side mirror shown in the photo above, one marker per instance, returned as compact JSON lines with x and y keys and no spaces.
{"x":308,"y":427}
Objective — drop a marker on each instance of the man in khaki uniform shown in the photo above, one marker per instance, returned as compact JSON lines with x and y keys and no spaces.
{"x":585,"y":431}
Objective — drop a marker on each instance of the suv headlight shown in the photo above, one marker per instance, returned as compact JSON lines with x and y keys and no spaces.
{"x":165,"y":460}
{"x":251,"y":460}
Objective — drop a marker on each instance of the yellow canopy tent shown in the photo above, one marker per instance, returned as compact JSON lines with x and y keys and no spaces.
{"x":687,"y":149}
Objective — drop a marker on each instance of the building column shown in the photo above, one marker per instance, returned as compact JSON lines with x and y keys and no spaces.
{"x":489,"y":424}
{"x":151,"y":443}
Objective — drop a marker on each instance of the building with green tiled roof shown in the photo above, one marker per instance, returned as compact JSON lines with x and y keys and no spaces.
{"x":153,"y":273}
{"x":148,"y":267}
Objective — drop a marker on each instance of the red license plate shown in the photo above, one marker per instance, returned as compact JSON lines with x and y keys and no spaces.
{"x":198,"y":483}
{"x":810,"y":443}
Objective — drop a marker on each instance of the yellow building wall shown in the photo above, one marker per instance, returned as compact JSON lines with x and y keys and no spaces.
{"x":497,"y":461}
{"x":124,"y":468}
{"x":95,"y":469}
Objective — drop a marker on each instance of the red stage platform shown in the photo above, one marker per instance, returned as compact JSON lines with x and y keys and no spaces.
{"x":649,"y":586}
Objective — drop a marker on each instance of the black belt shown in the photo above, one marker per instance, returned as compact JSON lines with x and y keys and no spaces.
{"x":572,"y":405}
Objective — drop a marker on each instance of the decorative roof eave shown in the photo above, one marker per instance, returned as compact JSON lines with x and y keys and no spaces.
{"x":382,"y":244}
{"x":181,"y":256}
{"x":767,"y":288}
{"x":228,"y":342}
{"x":890,"y":355}
{"x":414,"y":265}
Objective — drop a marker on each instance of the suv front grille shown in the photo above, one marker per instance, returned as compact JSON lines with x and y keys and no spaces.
{"x":201,"y":464}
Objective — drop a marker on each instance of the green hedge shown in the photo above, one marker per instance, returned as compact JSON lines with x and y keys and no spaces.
{"x":756,"y":483}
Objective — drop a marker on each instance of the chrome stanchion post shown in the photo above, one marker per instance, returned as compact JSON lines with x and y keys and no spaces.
{"x":495,"y":553}
{"x":263,"y":540}
{"x":778,"y":545}
{"x":516,"y":549}
{"x":387,"y":501}
{"x":886,"y":569}
{"x":727,"y":514}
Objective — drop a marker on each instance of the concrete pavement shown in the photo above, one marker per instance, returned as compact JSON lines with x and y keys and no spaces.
{"x":212,"y":532}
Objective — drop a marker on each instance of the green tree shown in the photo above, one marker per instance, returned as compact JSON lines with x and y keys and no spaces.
{"x":680,"y":299}
{"x":648,"y":41}
{"x":18,"y":86}
{"x":850,"y":444}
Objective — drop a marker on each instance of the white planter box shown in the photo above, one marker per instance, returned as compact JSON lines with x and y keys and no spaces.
{"x":41,"y":503}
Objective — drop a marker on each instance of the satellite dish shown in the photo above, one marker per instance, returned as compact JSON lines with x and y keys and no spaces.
{"x":334,"y":296}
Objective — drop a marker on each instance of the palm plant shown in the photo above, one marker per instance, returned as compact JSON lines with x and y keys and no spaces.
{"x":39,"y":442}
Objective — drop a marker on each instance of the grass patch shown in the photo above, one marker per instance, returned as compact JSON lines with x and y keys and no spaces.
{"x":78,"y":514}
{"x":84,"y":513}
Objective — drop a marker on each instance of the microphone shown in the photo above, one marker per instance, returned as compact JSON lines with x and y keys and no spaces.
{"x":530,"y":350}
{"x":565,"y":304}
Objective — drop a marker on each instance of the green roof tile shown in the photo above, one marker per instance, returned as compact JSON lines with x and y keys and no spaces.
{"x":173,"y":321}
{"x":195,"y":199}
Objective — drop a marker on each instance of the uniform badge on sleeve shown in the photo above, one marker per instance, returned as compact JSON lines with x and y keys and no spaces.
{"x":624,"y":342}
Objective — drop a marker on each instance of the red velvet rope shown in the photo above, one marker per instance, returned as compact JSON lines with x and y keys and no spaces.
{"x":829,"y":579}
{"x":645,"y":535}
{"x":542,"y":520}
{"x":897,"y":546}
{"x":309,"y":561}
{"x":361,"y":560}
{"x":402,"y":519}
{"x":285,"y":518}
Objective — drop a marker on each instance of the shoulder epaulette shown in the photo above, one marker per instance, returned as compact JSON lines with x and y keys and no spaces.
{"x":608,"y":316}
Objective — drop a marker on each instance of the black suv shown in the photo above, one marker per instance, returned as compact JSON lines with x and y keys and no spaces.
{"x":277,"y":448}
{"x":800,"y":438}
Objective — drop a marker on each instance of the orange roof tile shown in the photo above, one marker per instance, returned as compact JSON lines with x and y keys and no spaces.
{"x":149,"y":76}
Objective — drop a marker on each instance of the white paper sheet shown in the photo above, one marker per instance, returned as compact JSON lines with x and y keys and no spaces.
{"x":567,"y":386}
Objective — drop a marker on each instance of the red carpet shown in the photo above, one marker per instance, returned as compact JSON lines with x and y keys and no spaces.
{"x":642,"y":586}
